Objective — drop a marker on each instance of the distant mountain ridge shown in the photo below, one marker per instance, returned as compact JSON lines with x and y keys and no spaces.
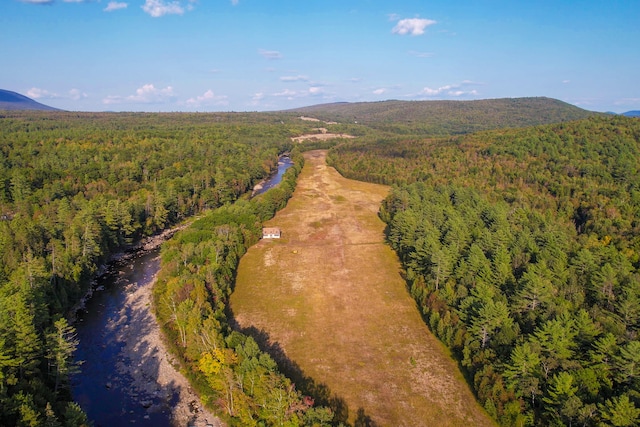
{"x":14,"y":101}
{"x":634,"y":113}
{"x":450,"y":117}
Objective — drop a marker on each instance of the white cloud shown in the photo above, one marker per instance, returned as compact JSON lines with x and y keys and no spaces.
{"x":427,"y":91}
{"x":155,"y":8}
{"x":297,"y":78}
{"x":235,"y":2}
{"x":413,"y":26}
{"x":256,"y":99}
{"x":455,"y":90}
{"x":37,"y":93}
{"x":115,"y":5}
{"x":76,"y":94}
{"x":287,"y":93}
{"x":379,"y":91}
{"x":462,"y":92}
{"x":566,"y":81}
{"x":208,"y":98}
{"x":270,"y":54}
{"x":147,"y":94}
{"x":158,"y":8}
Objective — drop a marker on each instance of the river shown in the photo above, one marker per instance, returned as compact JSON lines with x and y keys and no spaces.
{"x":126,"y":376}
{"x":283,"y":164}
{"x":104,"y":389}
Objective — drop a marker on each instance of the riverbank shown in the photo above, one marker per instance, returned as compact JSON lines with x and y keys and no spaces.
{"x":284,"y":162}
{"x":144,"y":245}
{"x":128,"y":375}
{"x":156,"y":384}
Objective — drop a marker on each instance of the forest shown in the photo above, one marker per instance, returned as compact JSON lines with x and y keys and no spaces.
{"x":521,"y":247}
{"x":75,"y":189}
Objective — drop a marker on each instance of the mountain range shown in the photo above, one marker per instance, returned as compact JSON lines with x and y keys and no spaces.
{"x":521,"y":111}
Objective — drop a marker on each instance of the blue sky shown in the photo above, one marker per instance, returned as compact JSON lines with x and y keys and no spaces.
{"x":261,"y":55}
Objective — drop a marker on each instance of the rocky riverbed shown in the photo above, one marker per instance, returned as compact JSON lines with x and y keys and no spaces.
{"x":128,"y":376}
{"x":156,"y":384}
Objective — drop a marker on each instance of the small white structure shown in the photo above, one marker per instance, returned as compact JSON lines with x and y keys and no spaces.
{"x":271,"y":232}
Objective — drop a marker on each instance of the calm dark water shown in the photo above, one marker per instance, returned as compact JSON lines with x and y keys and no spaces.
{"x":284,"y":164}
{"x":101,"y":390}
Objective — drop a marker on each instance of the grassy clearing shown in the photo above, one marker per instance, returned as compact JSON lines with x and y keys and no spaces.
{"x":329,"y":293}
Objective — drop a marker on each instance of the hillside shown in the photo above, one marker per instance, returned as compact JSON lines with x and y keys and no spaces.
{"x":14,"y":101}
{"x":449,"y":117}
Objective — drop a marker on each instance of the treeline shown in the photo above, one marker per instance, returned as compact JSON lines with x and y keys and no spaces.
{"x":521,"y":248}
{"x":586,"y":171}
{"x":197,"y":276}
{"x":74,"y":189}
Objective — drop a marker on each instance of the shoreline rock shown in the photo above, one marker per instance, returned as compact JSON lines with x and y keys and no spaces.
{"x":153,"y":382}
{"x":157,"y":386}
{"x":144,"y":245}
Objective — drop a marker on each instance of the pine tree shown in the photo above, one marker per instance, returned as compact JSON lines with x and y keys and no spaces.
{"x":563,"y":404}
{"x":27,"y":342}
{"x":61,"y":346}
{"x":619,"y":412}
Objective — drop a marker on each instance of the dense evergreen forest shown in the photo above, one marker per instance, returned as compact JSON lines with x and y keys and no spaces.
{"x":77,"y":188}
{"x":520,"y":246}
{"x":522,"y":249}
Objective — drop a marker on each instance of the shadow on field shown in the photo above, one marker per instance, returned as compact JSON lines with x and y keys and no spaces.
{"x":320,"y":392}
